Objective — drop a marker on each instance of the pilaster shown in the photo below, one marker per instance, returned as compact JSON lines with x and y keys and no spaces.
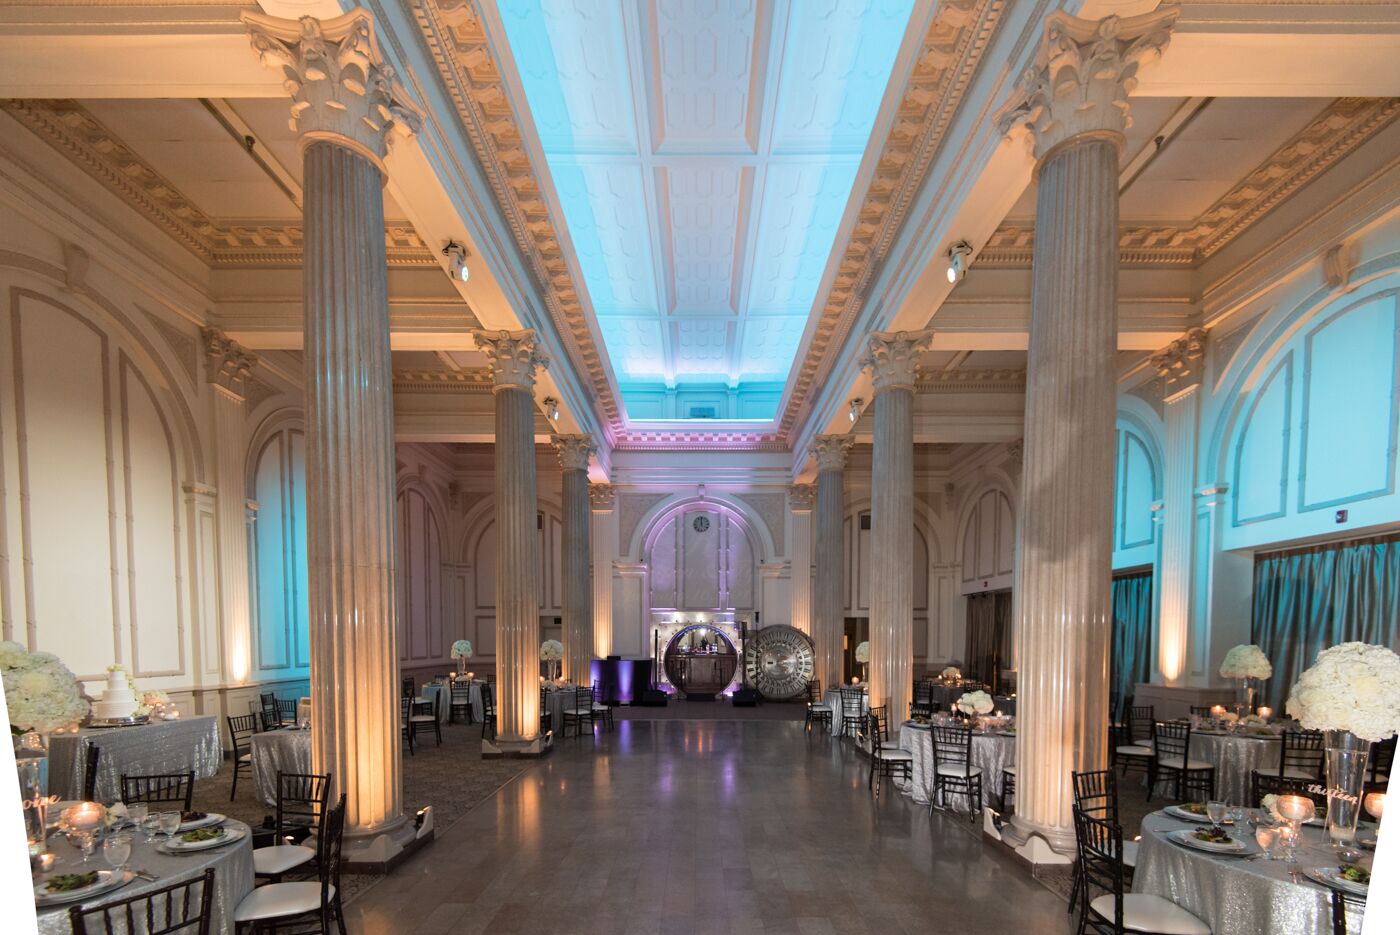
{"x":574,"y":452}
{"x":828,"y":616}
{"x":801,"y":500}
{"x":602,"y":500}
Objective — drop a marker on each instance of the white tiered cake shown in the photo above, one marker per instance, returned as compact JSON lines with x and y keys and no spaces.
{"x":118,"y":700}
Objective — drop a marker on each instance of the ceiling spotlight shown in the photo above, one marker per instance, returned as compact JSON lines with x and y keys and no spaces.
{"x":958,"y":255}
{"x":551,"y":408}
{"x":854,"y":412}
{"x":456,"y":260}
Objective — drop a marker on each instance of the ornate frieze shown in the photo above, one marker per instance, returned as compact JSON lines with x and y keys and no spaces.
{"x":802,"y":497}
{"x":830,"y":451}
{"x":226,"y":362}
{"x":574,"y":451}
{"x":1179,"y":363}
{"x":975,"y":380}
{"x":602,"y":497}
{"x":1082,"y":76}
{"x":892,"y":358}
{"x":342,"y":88}
{"x":514,"y":358}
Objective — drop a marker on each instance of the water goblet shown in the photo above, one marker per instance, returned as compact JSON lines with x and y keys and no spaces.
{"x":1215,"y":811}
{"x":150,"y":826}
{"x":84,"y":841}
{"x":137,"y":813}
{"x":1238,"y":813}
{"x":116,"y":850}
{"x":169,"y":824}
{"x":1266,"y":837}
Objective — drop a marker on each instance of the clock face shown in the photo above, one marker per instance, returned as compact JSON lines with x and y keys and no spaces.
{"x":779,"y":661}
{"x":700,"y":523}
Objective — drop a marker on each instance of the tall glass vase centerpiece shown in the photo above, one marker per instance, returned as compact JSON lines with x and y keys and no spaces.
{"x":462,"y":651}
{"x":1352,"y":693}
{"x":551,"y":652}
{"x":863,"y":658}
{"x":1247,"y":665}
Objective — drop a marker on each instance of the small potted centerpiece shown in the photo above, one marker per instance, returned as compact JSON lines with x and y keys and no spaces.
{"x":1248,"y":666}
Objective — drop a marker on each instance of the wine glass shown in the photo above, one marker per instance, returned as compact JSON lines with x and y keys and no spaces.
{"x":116,"y":850}
{"x":169,"y":824}
{"x":1215,"y":811}
{"x":137,"y":813}
{"x":150,"y":826}
{"x":84,"y":841}
{"x":1238,"y":814}
{"x":1266,"y":836}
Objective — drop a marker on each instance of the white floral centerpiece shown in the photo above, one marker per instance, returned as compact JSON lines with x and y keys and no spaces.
{"x":1247,"y":664}
{"x":1270,"y":804}
{"x":40,"y":692}
{"x":461,"y":651}
{"x":1352,"y":692}
{"x":551,"y":652}
{"x":950,"y":673}
{"x":975,"y":703}
{"x":863,"y":656}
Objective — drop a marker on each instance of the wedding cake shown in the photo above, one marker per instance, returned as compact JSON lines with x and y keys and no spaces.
{"x":118,"y":700}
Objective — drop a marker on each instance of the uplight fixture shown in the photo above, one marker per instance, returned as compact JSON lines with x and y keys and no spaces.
{"x":958,"y":255}
{"x":551,"y":408}
{"x":853,"y":413}
{"x":456,"y":261}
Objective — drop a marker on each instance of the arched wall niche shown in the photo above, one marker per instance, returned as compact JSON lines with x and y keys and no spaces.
{"x":277,"y":565}
{"x":930,"y":589}
{"x":1137,"y":483}
{"x":986,"y":543}
{"x":701,"y":555}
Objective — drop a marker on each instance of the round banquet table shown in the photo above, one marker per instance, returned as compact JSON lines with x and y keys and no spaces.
{"x":992,"y":752}
{"x":833,"y":701}
{"x":1235,"y":756}
{"x":287,"y":750}
{"x":1235,"y":895}
{"x":233,"y":875}
{"x":473,"y":699}
{"x":190,"y":743}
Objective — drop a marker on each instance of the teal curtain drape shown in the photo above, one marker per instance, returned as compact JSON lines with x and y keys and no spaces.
{"x":1306,"y":600}
{"x":1130,"y":660}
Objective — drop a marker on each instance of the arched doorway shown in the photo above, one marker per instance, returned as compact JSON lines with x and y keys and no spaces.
{"x":701,"y":661}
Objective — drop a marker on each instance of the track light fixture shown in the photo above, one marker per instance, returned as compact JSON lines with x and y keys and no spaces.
{"x":853,"y":413}
{"x":958,"y":256}
{"x":551,"y":408}
{"x":456,"y":261}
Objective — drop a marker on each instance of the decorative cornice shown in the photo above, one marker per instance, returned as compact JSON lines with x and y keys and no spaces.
{"x":342,"y":89}
{"x":802,"y":497}
{"x":474,"y":380}
{"x":1082,"y":76}
{"x":951,"y":53}
{"x":1342,"y":126}
{"x":457,"y":41}
{"x":634,"y":440}
{"x":892,"y":358}
{"x":87,"y":143}
{"x":830,"y":451}
{"x":1179,"y":363}
{"x":574,"y":451}
{"x":970,"y":381}
{"x":602,"y":497}
{"x":226,"y":362}
{"x":514,"y":357}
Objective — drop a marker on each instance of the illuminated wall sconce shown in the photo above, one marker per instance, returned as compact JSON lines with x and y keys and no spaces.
{"x":551,"y":408}
{"x":958,"y":256}
{"x":456,"y":261}
{"x":853,"y":413}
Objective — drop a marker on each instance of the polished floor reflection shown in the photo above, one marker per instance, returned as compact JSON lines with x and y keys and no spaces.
{"x":690,"y":827}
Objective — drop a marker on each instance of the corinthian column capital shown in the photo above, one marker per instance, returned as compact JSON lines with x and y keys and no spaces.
{"x":574,"y":451}
{"x":1082,"y":76}
{"x":601,"y":497}
{"x":226,"y":362}
{"x":342,"y":89}
{"x":831,"y":450}
{"x":892,"y":358}
{"x":1179,"y":363}
{"x":801,"y":497}
{"x":514,"y":357}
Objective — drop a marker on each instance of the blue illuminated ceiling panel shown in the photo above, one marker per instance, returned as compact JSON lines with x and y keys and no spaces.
{"x":703,"y":153}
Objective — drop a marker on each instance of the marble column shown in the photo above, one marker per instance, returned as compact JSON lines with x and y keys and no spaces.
{"x":602,"y":500}
{"x":574,"y":452}
{"x":1074,"y":102}
{"x":514,"y":359}
{"x":801,"y":497}
{"x":345,"y":106}
{"x":1179,"y":365}
{"x":892,"y":360}
{"x":226,"y":367}
{"x":828,"y":604}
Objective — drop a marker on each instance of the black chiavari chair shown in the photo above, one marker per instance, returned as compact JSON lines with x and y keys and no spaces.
{"x":818,"y":711}
{"x":852,"y":711}
{"x":953,"y":768}
{"x":1096,"y":794}
{"x":461,"y":701}
{"x":1099,"y":846}
{"x":158,"y":788}
{"x":1171,"y":742}
{"x":1133,"y":747}
{"x":275,"y":905}
{"x":301,"y":807}
{"x":488,"y":711}
{"x":241,"y":728}
{"x":884,"y":761}
{"x":1346,"y":905}
{"x":425,"y":717}
{"x":1262,"y":784}
{"x":183,"y":906}
{"x":90,"y":760}
{"x":1301,"y":757}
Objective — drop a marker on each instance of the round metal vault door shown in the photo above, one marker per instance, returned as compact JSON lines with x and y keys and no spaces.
{"x":779,"y":661}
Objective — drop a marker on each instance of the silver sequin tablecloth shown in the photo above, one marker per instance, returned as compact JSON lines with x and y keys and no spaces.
{"x":233,"y":876}
{"x":287,"y":750}
{"x":1233,"y":895}
{"x":1235,"y":756}
{"x":992,"y":752}
{"x":833,"y":701}
{"x":190,"y":743}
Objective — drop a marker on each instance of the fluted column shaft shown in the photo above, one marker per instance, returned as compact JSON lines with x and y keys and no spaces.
{"x":350,"y":486}
{"x":827,"y":587}
{"x":604,"y":548}
{"x":892,"y":533}
{"x":1064,"y":528}
{"x":578,"y":582}
{"x":517,"y":569}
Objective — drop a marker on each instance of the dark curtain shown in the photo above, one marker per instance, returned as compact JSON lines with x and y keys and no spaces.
{"x":1306,"y":600}
{"x":1130,"y":659}
{"x":988,"y":637}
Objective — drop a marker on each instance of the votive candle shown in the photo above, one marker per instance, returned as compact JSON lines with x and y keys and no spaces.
{"x":1266,"y":713}
{"x":1217,"y":710}
{"x":1375,"y":804}
{"x":85,"y":816}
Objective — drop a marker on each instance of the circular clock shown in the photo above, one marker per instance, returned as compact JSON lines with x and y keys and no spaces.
{"x":700,"y":523}
{"x":779,"y":661}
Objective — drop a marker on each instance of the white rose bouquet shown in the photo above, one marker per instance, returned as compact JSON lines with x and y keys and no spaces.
{"x":863,"y":652}
{"x":551,"y":651}
{"x":1246,"y":661}
{"x":1352,"y":687}
{"x":978,"y":702}
{"x":462,"y":649}
{"x":40,"y":692}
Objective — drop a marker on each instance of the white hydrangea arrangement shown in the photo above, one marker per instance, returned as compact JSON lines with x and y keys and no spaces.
{"x":41,"y":693}
{"x":863,"y":653}
{"x":1352,"y":687}
{"x":951,"y":672}
{"x":1270,"y":804}
{"x":462,"y":649}
{"x":978,"y":702}
{"x":1246,"y":661}
{"x":551,"y":651}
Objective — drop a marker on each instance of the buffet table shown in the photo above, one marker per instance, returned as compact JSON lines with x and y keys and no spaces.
{"x":992,"y":752}
{"x":178,"y":746}
{"x":287,"y":750}
{"x":1238,"y":895}
{"x":233,"y":875}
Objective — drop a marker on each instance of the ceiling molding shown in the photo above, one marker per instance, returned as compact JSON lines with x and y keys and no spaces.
{"x":473,"y":380}
{"x":226,"y":244}
{"x":951,"y":52}
{"x":699,"y":440}
{"x":1336,"y":132}
{"x":970,"y":381}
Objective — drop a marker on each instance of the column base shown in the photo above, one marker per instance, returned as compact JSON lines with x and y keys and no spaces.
{"x":499,"y":749}
{"x":1035,"y":844}
{"x":384,"y":848}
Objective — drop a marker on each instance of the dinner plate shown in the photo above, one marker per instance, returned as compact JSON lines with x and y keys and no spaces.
{"x":176,"y":846}
{"x":213,"y":818}
{"x":1331,"y":876}
{"x":1176,"y":811}
{"x":1188,"y":838}
{"x":107,"y":880}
